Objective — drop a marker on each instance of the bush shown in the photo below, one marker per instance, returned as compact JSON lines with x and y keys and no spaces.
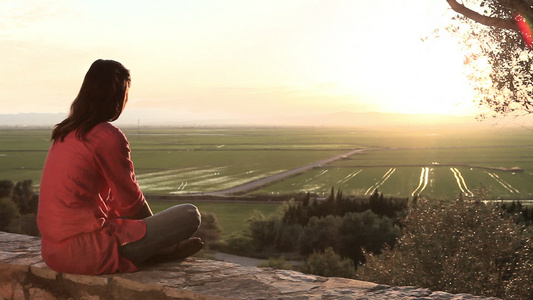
{"x":209,"y":229}
{"x":459,"y":247}
{"x":18,"y":207}
{"x":348,"y":234}
{"x":262,"y":231}
{"x":28,"y":224}
{"x":238,"y":244}
{"x":22,"y":194}
{"x":328,"y":263}
{"x":9,"y":214}
{"x":5,"y":188}
{"x":276,"y":263}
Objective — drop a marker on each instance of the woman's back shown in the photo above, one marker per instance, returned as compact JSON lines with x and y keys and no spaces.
{"x":74,"y":170}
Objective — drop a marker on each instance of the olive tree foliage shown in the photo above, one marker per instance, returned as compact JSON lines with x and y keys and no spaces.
{"x":498,"y":62}
{"x":458,"y":247}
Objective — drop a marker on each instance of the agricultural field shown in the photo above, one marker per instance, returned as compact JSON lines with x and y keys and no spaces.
{"x":231,"y":217}
{"x":435,"y":162}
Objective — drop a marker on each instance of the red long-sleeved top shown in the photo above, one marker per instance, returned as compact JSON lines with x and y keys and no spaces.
{"x":87,"y":187}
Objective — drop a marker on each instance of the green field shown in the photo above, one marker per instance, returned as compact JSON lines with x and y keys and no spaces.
{"x":198,"y":160}
{"x":231,"y":218}
{"x":405,"y":181}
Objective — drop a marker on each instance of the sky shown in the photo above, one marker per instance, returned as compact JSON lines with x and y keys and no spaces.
{"x":227,"y":59}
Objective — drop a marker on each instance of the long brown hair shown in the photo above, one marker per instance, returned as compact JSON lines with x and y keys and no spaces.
{"x":101,"y":98}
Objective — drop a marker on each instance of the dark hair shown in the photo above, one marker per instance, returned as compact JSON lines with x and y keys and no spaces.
{"x":101,"y":98}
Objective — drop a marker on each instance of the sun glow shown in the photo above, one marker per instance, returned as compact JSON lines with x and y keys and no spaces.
{"x":211,"y":58}
{"x":428,"y":81}
{"x":405,"y":73}
{"x":434,"y":82}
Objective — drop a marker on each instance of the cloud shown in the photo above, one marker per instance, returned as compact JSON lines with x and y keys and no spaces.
{"x":17,"y":15}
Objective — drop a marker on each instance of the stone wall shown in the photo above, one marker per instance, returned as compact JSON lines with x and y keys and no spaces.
{"x":23,"y":275}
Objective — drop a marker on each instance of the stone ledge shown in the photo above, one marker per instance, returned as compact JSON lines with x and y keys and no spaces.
{"x":23,"y":275}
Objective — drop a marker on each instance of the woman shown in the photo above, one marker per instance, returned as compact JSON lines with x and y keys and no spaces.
{"x":92,"y":215}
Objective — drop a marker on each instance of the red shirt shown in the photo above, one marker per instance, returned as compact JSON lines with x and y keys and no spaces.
{"x":86,"y":188}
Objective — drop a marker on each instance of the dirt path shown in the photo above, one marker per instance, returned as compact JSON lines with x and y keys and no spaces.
{"x":278,"y":177}
{"x":243,"y":260}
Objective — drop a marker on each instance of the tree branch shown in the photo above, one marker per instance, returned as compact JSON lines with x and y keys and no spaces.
{"x":481,"y":19}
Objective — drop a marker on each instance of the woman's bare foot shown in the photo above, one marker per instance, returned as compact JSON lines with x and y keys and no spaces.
{"x":188,"y":247}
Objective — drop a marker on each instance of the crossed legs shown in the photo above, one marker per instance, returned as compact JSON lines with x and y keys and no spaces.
{"x":168,"y":236}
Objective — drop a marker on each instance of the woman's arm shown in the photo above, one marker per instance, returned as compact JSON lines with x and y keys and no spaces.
{"x":112,"y":157}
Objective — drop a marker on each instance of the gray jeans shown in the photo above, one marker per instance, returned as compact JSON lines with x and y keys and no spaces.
{"x":163,"y":230}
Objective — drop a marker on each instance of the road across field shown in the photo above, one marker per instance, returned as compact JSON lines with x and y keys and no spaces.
{"x":280,"y":176}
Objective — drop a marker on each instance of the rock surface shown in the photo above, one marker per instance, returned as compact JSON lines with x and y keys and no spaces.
{"x":23,"y":275}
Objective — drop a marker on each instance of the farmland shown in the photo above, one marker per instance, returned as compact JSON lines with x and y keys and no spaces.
{"x":231,"y":218}
{"x":436,"y":162}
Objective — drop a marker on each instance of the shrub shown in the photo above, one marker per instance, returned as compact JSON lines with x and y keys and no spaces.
{"x":9,"y":214}
{"x":328,"y":263}
{"x":209,"y":229}
{"x":262,"y":231}
{"x":458,"y":247}
{"x":276,"y":263}
{"x":5,"y":188}
{"x":28,"y":224}
{"x":18,"y":207}
{"x":238,"y":244}
{"x":22,"y":194}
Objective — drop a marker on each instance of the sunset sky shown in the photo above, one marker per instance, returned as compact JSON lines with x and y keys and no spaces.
{"x":222,"y":59}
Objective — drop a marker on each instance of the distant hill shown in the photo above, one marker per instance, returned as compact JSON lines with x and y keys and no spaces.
{"x":345,"y":119}
{"x":31,"y":119}
{"x":352,"y":119}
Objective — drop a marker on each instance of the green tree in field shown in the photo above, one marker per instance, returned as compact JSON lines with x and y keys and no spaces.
{"x":319,"y":234}
{"x":348,"y":226}
{"x":458,"y":247}
{"x":339,"y":205}
{"x":287,"y":235}
{"x":366,"y":231}
{"x":522,"y":214}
